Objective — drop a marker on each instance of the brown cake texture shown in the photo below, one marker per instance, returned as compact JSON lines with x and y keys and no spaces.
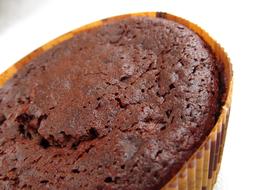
{"x":119,"y":106}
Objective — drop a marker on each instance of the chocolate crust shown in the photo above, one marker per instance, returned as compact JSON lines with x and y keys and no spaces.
{"x":122,"y":106}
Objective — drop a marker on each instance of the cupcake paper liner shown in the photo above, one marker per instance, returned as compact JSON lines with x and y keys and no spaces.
{"x":201,"y":170}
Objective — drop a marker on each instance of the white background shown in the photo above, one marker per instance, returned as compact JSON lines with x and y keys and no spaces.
{"x":28,"y":24}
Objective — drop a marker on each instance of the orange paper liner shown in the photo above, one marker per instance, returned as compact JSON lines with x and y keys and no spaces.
{"x":201,"y":170}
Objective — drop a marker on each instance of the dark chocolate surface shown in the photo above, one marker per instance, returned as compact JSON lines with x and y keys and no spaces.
{"x":121,"y":106}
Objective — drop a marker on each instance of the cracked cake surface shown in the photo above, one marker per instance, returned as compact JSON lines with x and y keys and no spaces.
{"x":119,"y":106}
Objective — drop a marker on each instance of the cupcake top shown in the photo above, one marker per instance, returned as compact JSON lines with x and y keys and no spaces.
{"x":119,"y":106}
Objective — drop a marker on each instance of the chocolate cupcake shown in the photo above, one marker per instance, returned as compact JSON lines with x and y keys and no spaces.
{"x":132,"y":102}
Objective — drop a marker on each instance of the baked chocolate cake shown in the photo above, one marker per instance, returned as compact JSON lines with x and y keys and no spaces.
{"x":119,"y":106}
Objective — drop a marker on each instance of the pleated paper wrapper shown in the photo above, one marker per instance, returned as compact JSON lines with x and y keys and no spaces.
{"x":201,"y":170}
